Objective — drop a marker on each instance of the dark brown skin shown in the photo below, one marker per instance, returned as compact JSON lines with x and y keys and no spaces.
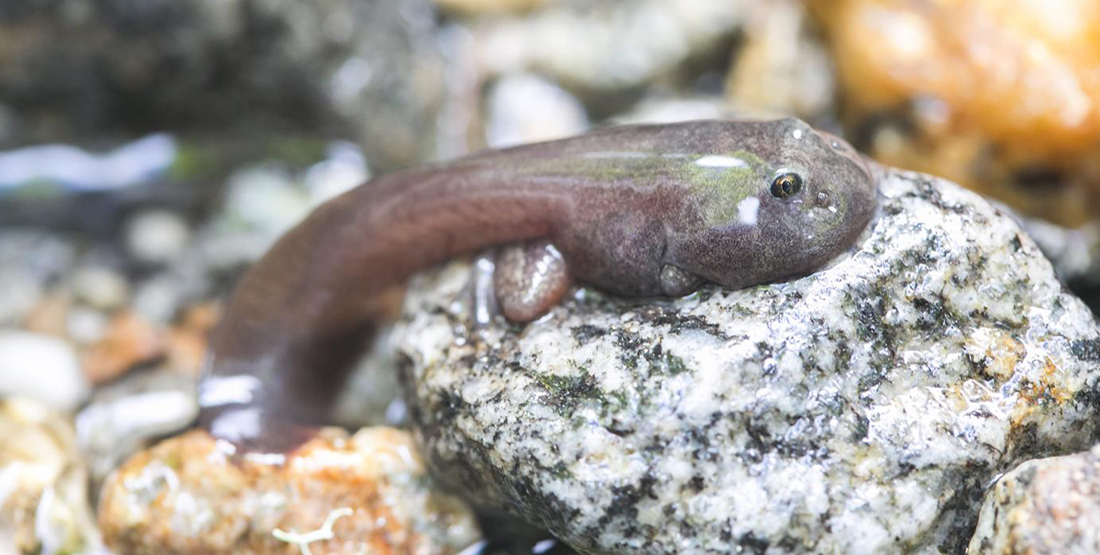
{"x":637,"y":211}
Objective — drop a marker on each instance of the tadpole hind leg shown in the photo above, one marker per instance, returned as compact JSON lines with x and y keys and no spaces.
{"x":529,"y":279}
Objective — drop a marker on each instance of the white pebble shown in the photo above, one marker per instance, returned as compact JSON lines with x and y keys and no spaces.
{"x":157,"y":236}
{"x":100,"y":287}
{"x":41,"y":367}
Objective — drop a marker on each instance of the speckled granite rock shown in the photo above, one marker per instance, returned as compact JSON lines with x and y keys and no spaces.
{"x":187,"y":495}
{"x":43,"y":483}
{"x":862,"y":409}
{"x":1046,"y":506}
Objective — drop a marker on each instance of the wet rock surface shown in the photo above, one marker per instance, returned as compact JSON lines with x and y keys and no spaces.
{"x":1043,"y":506}
{"x":370,"y":492}
{"x":862,"y":409}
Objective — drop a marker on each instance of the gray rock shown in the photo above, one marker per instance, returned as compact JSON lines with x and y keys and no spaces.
{"x":1046,"y":506}
{"x":862,"y":409}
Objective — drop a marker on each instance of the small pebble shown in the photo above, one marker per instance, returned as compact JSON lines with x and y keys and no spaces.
{"x":41,"y":367}
{"x":158,"y":299}
{"x":265,"y":199}
{"x":129,"y":340}
{"x":343,"y":169}
{"x":100,"y":287}
{"x":525,"y":108}
{"x":19,"y":292}
{"x":157,"y":236}
{"x":86,"y":325}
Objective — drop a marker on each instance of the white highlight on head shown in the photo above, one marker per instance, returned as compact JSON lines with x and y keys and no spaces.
{"x":797,"y":133}
{"x":748,"y":210}
{"x":715,"y":161}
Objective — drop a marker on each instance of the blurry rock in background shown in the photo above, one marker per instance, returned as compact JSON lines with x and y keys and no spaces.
{"x":475,"y":7}
{"x":43,"y":483}
{"x":41,"y":367}
{"x":83,"y":70}
{"x":781,"y":68}
{"x":525,"y":108}
{"x":663,"y":109}
{"x":1002,"y":97}
{"x":607,"y":52}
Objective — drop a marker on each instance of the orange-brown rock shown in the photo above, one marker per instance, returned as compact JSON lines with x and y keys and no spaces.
{"x":190,"y":494}
{"x":1000,"y":95}
{"x":130,"y":340}
{"x":187,"y":340}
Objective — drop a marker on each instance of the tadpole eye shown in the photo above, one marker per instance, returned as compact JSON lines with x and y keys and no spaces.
{"x":786,"y":185}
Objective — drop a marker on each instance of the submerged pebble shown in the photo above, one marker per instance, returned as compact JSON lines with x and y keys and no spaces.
{"x":861,"y":409}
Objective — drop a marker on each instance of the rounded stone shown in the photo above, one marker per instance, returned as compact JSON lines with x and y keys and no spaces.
{"x":157,"y":236}
{"x":41,"y":367}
